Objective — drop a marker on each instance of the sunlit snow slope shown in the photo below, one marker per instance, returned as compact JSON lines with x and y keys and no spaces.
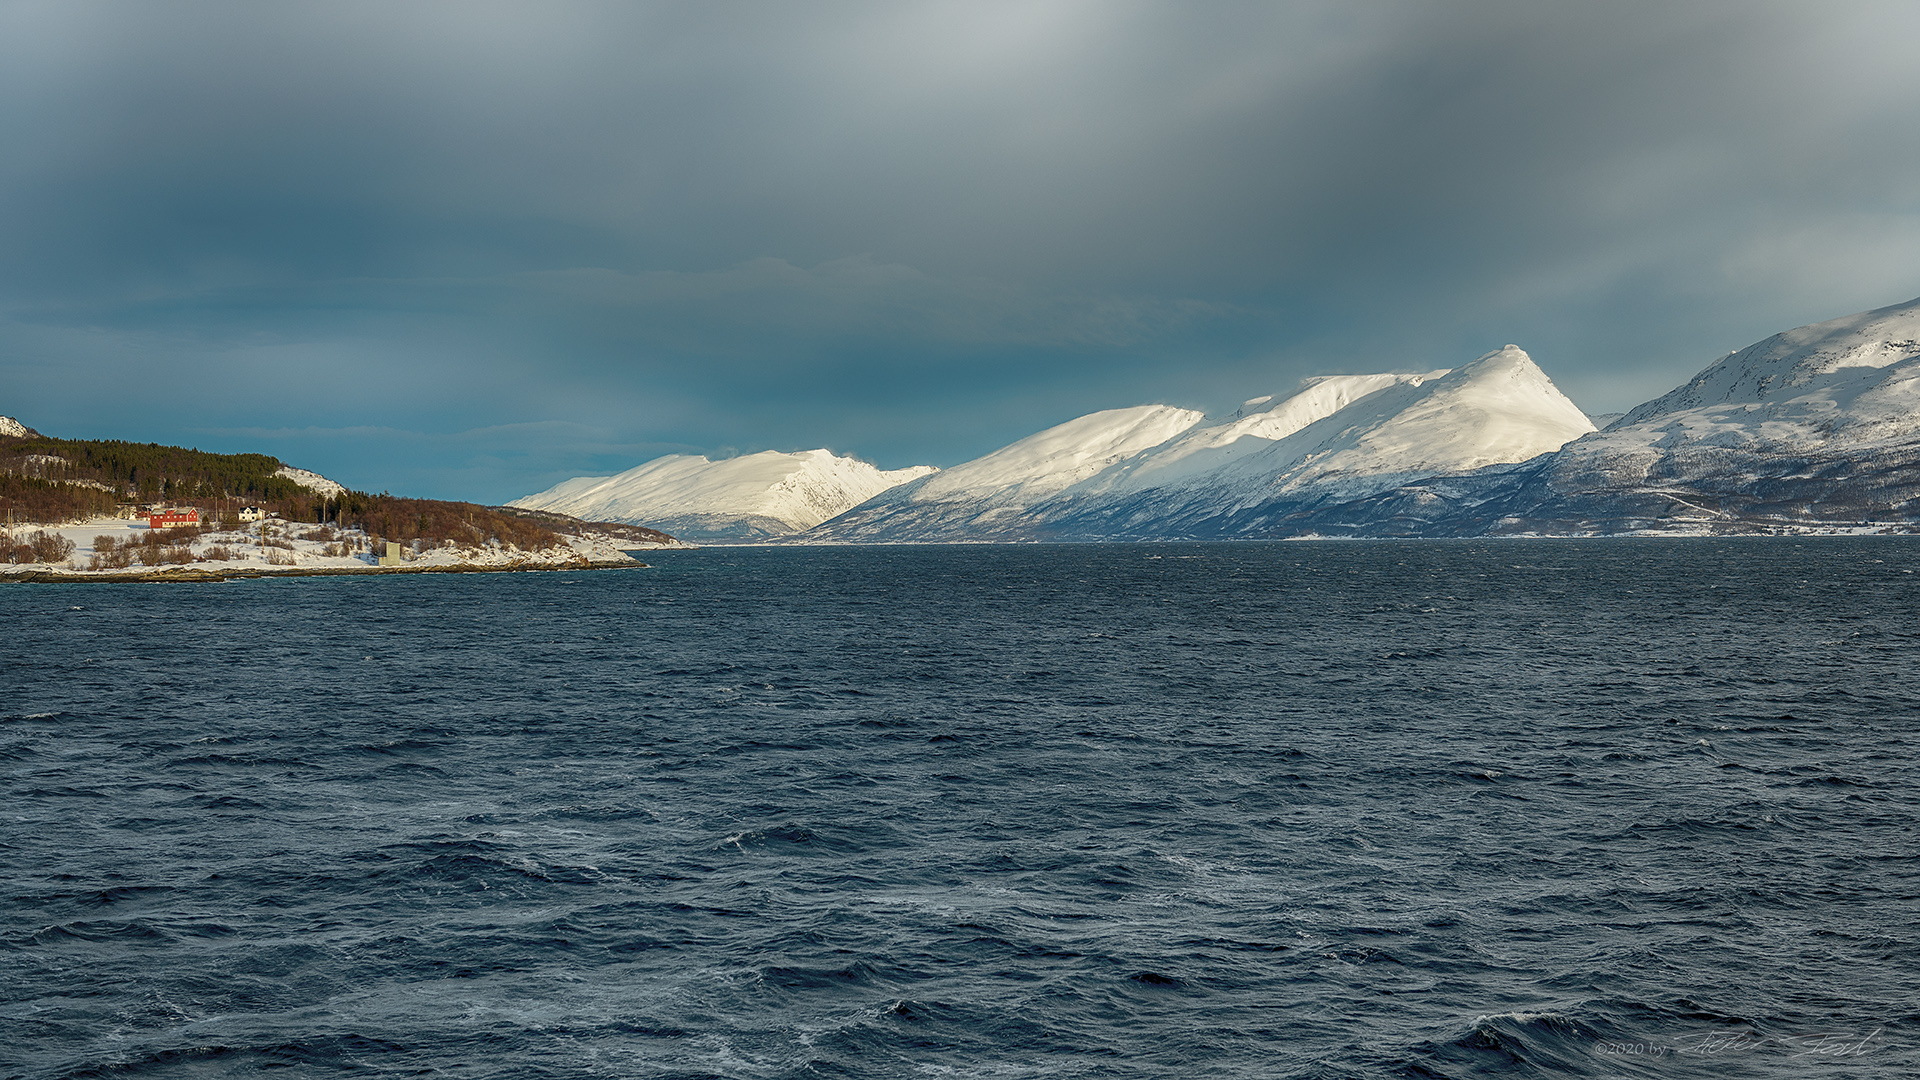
{"x":1817,"y":424}
{"x":1846,"y":383}
{"x":1158,"y":472}
{"x":978,"y":499}
{"x":744,"y":498}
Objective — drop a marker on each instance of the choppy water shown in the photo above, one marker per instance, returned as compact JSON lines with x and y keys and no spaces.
{"x":1612,"y":808}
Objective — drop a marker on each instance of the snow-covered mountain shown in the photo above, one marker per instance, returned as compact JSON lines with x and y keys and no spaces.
{"x":10,"y":427}
{"x":1160,"y":472}
{"x":1851,"y":383}
{"x":1820,"y":423}
{"x":980,"y":498}
{"x":745,"y":498}
{"x":1817,"y":427}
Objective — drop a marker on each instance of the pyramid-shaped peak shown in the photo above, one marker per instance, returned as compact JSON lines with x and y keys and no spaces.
{"x":1509,"y":361}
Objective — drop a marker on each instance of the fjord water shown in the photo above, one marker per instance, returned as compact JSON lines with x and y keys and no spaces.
{"x":1610,"y":808}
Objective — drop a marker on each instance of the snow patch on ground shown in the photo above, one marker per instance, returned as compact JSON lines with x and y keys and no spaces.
{"x":312,"y":481}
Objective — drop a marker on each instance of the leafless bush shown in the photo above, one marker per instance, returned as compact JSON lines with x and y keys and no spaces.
{"x":118,"y":559}
{"x":166,"y":556}
{"x":48,"y":547}
{"x":105,"y":545}
{"x":217,"y":553}
{"x":279,"y":558}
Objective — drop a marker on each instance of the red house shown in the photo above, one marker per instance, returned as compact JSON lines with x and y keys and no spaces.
{"x":167,"y":519}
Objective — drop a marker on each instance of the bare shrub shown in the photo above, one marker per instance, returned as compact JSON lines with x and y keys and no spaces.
{"x":166,"y":556}
{"x":49,"y":547}
{"x":112,"y":560}
{"x":105,"y":545}
{"x":279,"y":558}
{"x":217,"y":553}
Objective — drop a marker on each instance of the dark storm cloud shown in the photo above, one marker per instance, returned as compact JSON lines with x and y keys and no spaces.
{"x":539,"y":237}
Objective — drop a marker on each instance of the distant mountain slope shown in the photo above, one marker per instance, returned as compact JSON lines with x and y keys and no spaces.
{"x":1816,"y":427}
{"x":1338,"y":438}
{"x":1820,"y":423}
{"x":745,"y":498}
{"x":1853,"y":377}
{"x":972,"y":500}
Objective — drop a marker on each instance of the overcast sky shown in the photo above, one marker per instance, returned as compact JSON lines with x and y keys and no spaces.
{"x":466,"y":250}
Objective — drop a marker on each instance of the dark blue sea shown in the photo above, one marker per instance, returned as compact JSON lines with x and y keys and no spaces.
{"x":1609,"y":808}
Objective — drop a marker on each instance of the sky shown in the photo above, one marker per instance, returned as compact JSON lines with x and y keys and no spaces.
{"x":467,"y":250}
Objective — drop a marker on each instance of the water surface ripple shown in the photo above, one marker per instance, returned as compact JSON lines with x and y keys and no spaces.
{"x":1620,"y":808}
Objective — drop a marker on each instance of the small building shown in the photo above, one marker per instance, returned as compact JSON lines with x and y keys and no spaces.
{"x":393,"y":556}
{"x":172,"y":518}
{"x":252,"y":513}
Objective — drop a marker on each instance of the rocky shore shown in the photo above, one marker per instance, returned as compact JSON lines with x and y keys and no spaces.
{"x":47,"y":575}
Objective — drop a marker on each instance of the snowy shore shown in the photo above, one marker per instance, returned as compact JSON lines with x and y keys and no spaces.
{"x":124,"y":549}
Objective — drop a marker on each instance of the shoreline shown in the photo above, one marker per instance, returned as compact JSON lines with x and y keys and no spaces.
{"x":186,"y":574}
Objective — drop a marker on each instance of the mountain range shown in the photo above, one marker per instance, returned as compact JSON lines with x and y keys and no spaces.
{"x":753,"y":497}
{"x":1815,"y":428}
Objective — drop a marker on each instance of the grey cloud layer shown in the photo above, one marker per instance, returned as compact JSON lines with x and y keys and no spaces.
{"x":913,"y":229}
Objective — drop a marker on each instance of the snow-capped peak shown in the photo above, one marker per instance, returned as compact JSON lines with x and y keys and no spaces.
{"x":1160,"y":471}
{"x":756,"y":495}
{"x":11,"y":428}
{"x":1833,"y":367}
{"x":1206,"y":448}
{"x":1848,"y":382}
{"x":1499,"y":408}
{"x":1359,"y":431}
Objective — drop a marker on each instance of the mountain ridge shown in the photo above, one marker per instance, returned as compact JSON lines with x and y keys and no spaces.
{"x":1816,"y":427}
{"x":1337,"y":437}
{"x":752,"y":497}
